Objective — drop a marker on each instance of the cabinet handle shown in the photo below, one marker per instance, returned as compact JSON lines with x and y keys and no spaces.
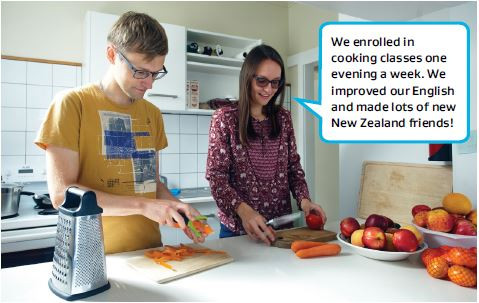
{"x":162,"y":95}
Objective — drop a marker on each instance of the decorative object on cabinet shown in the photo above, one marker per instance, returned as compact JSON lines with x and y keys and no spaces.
{"x":241,"y":55}
{"x":192,"y":48}
{"x":205,"y":50}
{"x":194,"y":100}
{"x":218,"y":51}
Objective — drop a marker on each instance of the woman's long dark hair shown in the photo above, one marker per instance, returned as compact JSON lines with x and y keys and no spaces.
{"x":248,"y":71}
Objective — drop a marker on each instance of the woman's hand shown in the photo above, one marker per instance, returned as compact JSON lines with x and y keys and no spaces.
{"x":308,"y":206}
{"x":255,"y":225}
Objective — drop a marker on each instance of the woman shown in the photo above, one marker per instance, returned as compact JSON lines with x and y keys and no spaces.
{"x":252,"y":159}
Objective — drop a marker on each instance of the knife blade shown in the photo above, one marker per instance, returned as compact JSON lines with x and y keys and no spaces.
{"x":276,"y":222}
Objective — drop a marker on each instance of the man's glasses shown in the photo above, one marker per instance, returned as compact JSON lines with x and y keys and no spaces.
{"x":143,"y":74}
{"x":263,"y":82}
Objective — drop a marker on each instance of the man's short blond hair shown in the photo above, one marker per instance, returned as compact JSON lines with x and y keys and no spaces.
{"x":139,"y":33}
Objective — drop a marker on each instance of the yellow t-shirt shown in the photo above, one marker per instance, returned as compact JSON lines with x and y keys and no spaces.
{"x":117,"y":146}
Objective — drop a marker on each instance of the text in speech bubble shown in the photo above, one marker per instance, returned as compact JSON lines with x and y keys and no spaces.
{"x":393,"y":82}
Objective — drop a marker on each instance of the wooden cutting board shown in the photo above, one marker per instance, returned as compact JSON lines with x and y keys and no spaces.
{"x":285,"y":237}
{"x":188,"y":266}
{"x":392,"y":189}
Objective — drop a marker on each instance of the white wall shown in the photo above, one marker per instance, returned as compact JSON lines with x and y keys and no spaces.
{"x":351,"y":156}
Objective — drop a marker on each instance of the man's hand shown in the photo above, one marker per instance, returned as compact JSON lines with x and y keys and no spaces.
{"x":167,"y":212}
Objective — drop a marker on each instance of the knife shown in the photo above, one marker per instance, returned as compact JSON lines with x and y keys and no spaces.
{"x":276,"y":222}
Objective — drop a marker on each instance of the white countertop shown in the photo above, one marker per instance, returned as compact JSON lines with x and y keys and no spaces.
{"x":260,"y":273}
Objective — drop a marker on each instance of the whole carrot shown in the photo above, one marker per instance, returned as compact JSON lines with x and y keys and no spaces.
{"x":318,"y":251}
{"x":302,"y":244}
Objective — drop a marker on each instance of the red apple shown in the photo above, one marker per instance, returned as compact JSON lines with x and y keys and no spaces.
{"x":420,"y":219}
{"x":464,"y":227}
{"x":374,"y":237}
{"x":314,"y":221}
{"x":458,"y":217}
{"x":348,"y":226}
{"x":377,"y":221}
{"x":418,"y":208}
{"x":405,"y":240}
{"x":391,"y":230}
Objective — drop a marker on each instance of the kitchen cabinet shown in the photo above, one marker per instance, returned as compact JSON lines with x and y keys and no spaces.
{"x":218,"y":76}
{"x":169,"y":93}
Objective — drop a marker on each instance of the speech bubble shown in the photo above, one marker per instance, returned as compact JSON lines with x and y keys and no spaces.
{"x":393,"y":82}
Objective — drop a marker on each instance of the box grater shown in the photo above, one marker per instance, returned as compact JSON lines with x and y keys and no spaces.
{"x":79,"y":268}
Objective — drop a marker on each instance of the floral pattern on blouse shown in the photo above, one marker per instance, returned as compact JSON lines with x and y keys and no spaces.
{"x":235,"y":178}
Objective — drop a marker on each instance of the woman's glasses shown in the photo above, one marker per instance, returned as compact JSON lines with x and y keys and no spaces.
{"x":263,"y":82}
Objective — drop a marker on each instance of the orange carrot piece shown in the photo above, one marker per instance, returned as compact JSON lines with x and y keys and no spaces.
{"x":176,"y":253}
{"x":301,"y":244}
{"x":318,"y":251}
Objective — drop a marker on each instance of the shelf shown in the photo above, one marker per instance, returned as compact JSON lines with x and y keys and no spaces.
{"x":213,"y":39}
{"x":212,"y":68}
{"x":192,"y":57}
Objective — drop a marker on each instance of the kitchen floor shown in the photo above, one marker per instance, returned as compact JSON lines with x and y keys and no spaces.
{"x":27,"y":257}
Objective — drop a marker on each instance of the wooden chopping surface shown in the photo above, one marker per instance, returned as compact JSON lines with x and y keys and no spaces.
{"x":188,"y":266}
{"x":392,"y":189}
{"x":285,"y":237}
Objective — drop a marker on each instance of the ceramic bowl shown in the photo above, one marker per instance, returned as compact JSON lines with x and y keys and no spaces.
{"x":380,"y":254}
{"x":437,"y":238}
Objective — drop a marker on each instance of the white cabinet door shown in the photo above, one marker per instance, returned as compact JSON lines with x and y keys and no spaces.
{"x":170,"y":91}
{"x":95,"y":63}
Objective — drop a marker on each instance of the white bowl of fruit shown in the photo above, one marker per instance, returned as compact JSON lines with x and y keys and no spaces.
{"x":380,"y":239}
{"x":453,"y":224}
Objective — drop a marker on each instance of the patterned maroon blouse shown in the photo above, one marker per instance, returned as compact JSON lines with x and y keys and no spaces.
{"x":260,"y":175}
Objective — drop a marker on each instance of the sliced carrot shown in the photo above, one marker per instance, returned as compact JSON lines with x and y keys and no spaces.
{"x":301,"y":244}
{"x":318,"y":251}
{"x":176,"y":253}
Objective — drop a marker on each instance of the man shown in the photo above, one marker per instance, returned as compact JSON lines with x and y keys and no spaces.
{"x":101,"y":136}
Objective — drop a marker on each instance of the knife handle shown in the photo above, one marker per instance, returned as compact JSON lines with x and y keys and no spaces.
{"x":185,"y":218}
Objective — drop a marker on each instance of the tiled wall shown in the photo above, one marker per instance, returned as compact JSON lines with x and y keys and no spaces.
{"x":183,"y":162}
{"x":27,"y":90}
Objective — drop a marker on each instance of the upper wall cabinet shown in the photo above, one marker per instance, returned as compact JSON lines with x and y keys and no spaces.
{"x":218,"y":75}
{"x":167,"y":93}
{"x":170,"y":91}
